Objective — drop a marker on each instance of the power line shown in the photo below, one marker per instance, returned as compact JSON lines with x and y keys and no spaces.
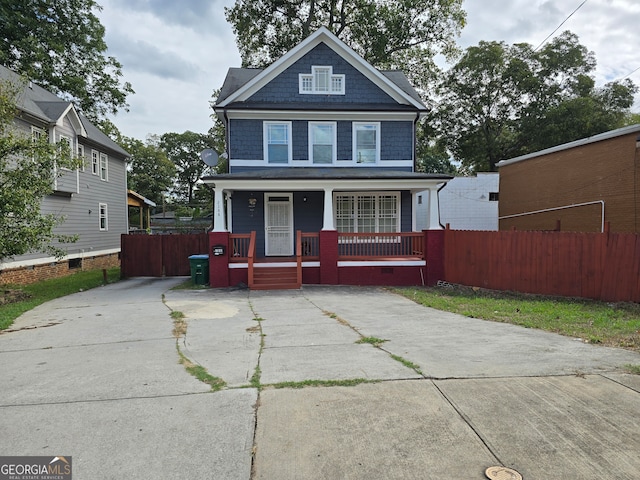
{"x":558,"y":27}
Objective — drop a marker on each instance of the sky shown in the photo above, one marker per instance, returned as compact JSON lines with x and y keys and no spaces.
{"x":176,"y":53}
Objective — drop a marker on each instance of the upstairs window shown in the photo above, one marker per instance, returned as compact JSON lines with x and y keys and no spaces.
{"x":277,"y":142}
{"x":366,"y":142}
{"x":104,"y":167}
{"x":321,"y":80}
{"x":94,"y":162}
{"x":322,"y":142}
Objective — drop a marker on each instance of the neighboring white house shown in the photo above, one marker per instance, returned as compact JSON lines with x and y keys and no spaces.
{"x":466,"y":203}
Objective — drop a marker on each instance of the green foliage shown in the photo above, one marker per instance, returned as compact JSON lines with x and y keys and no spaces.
{"x":28,"y":169}
{"x":60,"y":45}
{"x":394,"y":34}
{"x":183,"y":149}
{"x":41,"y":292}
{"x":501,"y":101}
{"x":150,"y":173}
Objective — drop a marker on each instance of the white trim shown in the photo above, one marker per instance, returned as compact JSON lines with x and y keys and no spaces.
{"x":265,"y":142}
{"x":382,"y":263}
{"x":325,"y":115}
{"x":354,"y":143}
{"x":313,"y":76}
{"x":95,"y":162}
{"x":106,"y":217}
{"x":322,"y":35}
{"x":296,"y":162}
{"x":273,"y":264}
{"x":334,"y":142}
{"x":103,"y":167}
{"x":290,"y":230}
{"x":34,"y":262}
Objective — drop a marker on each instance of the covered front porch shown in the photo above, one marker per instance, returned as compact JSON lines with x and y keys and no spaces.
{"x":274,"y":231}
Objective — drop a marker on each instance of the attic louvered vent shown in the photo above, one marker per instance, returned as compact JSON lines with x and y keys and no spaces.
{"x":321,"y":81}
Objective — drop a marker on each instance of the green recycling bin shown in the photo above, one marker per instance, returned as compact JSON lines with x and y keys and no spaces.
{"x":199,"y":269}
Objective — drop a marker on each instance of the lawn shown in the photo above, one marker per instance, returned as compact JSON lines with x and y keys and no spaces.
{"x":610,"y":324}
{"x":15,"y":300}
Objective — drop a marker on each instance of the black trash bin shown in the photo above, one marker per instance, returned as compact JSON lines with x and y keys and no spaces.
{"x":199,"y":269}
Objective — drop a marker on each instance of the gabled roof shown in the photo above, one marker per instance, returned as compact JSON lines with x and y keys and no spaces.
{"x":241,"y":83}
{"x":51,"y":110}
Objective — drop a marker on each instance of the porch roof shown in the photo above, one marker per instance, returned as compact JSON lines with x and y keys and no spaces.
{"x":318,"y":178}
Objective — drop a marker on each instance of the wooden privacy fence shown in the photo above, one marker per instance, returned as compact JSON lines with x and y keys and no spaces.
{"x":604,"y":266}
{"x":160,"y":255}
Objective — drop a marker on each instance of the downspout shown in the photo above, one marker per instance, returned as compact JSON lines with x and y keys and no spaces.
{"x":438,"y":195}
{"x":415,"y":143}
{"x":227,"y":138}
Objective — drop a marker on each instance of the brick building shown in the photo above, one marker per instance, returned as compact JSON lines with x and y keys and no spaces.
{"x":581,"y":185}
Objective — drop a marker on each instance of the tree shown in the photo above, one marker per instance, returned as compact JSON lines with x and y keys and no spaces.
{"x":401,"y":34}
{"x":60,"y":45}
{"x":28,"y":168}
{"x":151,"y":173}
{"x":501,"y":101}
{"x":184,"y":149}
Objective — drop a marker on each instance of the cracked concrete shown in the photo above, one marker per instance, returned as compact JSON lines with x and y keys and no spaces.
{"x":104,"y":385}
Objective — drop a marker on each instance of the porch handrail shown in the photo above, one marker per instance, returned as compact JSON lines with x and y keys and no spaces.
{"x":380,"y":245}
{"x":299,"y":257}
{"x":250,"y":255}
{"x":238,"y":246}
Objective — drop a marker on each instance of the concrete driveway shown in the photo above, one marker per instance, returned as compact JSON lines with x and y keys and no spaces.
{"x":96,"y":376}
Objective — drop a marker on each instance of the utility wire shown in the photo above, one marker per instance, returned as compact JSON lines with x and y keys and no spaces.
{"x":558,"y":27}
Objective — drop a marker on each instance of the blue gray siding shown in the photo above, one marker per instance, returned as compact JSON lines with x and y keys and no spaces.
{"x":358,"y":88}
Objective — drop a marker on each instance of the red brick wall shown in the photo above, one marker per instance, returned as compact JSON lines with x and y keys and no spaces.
{"x":607,"y":170}
{"x":28,"y":275}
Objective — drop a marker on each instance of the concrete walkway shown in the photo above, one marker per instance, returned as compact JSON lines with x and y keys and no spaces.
{"x":99,"y":380}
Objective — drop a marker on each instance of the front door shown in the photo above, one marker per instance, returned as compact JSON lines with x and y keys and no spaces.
{"x":278,"y":224}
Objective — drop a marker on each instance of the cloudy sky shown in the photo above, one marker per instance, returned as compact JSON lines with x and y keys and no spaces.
{"x":175,"y":53}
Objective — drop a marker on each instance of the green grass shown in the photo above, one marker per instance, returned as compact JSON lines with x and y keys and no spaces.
{"x":635,"y":369}
{"x":375,"y":341}
{"x":322,"y":383}
{"x":408,"y":364}
{"x":611,"y":324}
{"x":41,"y":292}
{"x":199,"y":372}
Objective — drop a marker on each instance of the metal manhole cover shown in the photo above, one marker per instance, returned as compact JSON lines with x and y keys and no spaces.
{"x":502,"y":473}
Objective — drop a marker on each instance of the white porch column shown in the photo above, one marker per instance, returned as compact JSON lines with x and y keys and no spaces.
{"x":218,"y":210}
{"x":327,"y":221}
{"x":229,"y":211}
{"x":433,"y":220}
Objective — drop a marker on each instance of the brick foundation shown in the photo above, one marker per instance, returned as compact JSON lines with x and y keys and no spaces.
{"x":36,"y":273}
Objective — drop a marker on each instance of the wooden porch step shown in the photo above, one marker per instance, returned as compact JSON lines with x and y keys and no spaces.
{"x":275,"y":278}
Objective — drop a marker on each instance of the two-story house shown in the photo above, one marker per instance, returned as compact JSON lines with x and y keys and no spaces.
{"x":92,"y":200}
{"x":321,"y":178}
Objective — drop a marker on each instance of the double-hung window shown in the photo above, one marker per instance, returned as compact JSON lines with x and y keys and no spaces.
{"x":80,"y":154}
{"x":102,"y":217}
{"x":366,"y":142}
{"x":277,"y":142}
{"x":94,"y":162}
{"x":104,"y":167}
{"x":322,"y":143}
{"x":320,"y":81}
{"x":367,"y":212}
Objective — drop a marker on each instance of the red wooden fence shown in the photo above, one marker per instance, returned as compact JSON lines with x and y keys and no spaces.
{"x":603,"y":266}
{"x":160,"y":255}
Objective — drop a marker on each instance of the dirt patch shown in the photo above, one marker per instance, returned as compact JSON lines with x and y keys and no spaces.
{"x":10,"y":295}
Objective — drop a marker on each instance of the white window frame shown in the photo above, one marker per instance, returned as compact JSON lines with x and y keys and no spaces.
{"x":80,"y":155}
{"x":355,"y":214}
{"x":265,"y":135}
{"x":69,"y":140}
{"x":95,"y":162}
{"x":310,"y":84}
{"x":104,"y":167}
{"x":334,"y":141}
{"x":103,"y":214}
{"x":355,"y":127}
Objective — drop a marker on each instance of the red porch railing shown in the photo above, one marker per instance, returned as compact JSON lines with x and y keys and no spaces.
{"x":363,"y":246}
{"x":239,"y":247}
{"x":251,"y":251}
{"x":360,"y":246}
